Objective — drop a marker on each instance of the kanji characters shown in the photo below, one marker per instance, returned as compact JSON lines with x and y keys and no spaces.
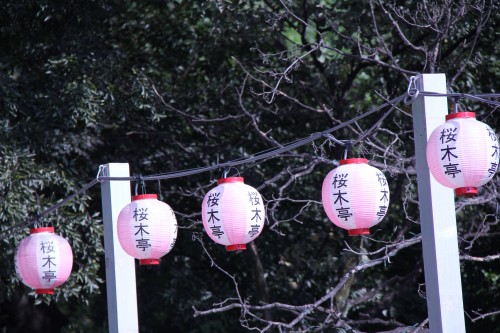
{"x":448,"y":135}
{"x":254,"y":198}
{"x":339,"y":180}
{"x":213,"y":199}
{"x":254,"y":230}
{"x":140,"y":214}
{"x":47,"y":246}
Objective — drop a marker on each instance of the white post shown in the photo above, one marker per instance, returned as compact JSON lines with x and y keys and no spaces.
{"x":437,"y":217}
{"x":120,"y":267}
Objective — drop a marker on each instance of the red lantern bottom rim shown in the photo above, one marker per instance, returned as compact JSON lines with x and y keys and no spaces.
{"x":143,"y":262}
{"x":236,"y":247}
{"x":359,"y":231}
{"x":44,"y":291}
{"x":466,"y":191}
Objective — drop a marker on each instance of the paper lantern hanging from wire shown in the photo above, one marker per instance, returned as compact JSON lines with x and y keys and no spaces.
{"x":233,"y":213}
{"x":355,"y":196}
{"x":147,"y":228}
{"x":462,"y":153}
{"x":43,"y":260}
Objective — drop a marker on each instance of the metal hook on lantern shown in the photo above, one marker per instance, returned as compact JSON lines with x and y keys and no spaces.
{"x":139,"y":180}
{"x":36,"y":220}
{"x":347,"y":144}
{"x":227,"y":169}
{"x":457,"y":106}
{"x":159,"y":191}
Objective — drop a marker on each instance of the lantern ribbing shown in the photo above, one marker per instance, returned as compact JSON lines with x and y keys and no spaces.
{"x":355,"y":196}
{"x":147,"y":229}
{"x":233,"y":213}
{"x":463,"y":153}
{"x":43,"y":260}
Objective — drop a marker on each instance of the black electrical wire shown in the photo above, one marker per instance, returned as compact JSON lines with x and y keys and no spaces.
{"x":476,"y":97}
{"x":48,"y":210}
{"x":272,"y":152}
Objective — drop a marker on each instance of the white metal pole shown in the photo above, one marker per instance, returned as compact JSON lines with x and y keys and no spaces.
{"x":120,"y":267}
{"x":437,"y":217}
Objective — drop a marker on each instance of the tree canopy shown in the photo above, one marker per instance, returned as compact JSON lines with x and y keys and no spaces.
{"x":174,"y":85}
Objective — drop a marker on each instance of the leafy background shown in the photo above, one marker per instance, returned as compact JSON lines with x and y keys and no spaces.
{"x":172,"y":85}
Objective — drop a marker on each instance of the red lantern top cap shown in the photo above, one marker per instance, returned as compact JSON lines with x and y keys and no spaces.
{"x":230,"y":180}
{"x":461,"y":115}
{"x":354,"y":161}
{"x":44,"y":229}
{"x":144,"y":196}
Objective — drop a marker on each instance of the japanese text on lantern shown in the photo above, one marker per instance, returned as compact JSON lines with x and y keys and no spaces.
{"x":175,"y":229}
{"x":141,"y":219}
{"x":254,"y":199}
{"x":47,"y":247}
{"x":384,"y":199}
{"x":449,"y":154}
{"x":339,"y":182}
{"x":494,"y":155}
{"x":213,"y":214}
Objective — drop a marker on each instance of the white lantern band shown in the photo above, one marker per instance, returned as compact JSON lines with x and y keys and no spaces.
{"x":355,"y":196}
{"x":43,"y":260}
{"x":233,"y":213}
{"x":147,"y":228}
{"x":463,"y":153}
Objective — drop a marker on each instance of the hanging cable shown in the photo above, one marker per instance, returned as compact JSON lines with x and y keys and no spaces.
{"x":48,"y":210}
{"x":409,"y":97}
{"x":476,"y":97}
{"x":273,"y":152}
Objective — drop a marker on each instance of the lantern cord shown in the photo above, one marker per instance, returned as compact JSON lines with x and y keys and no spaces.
{"x":347,"y":148}
{"x":266,"y":154}
{"x":139,"y":181}
{"x":409,"y":96}
{"x":349,"y":143}
{"x":136,"y":187}
{"x":273,"y":152}
{"x":378,"y":123}
{"x":160,"y":196}
{"x":332,"y":138}
{"x":269,"y":153}
{"x":476,"y":97}
{"x":35,"y":220}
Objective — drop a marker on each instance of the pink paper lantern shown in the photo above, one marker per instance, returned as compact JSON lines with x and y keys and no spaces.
{"x":355,"y":196}
{"x":147,"y":229}
{"x":462,"y":153}
{"x":233,"y":213}
{"x":43,"y":260}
